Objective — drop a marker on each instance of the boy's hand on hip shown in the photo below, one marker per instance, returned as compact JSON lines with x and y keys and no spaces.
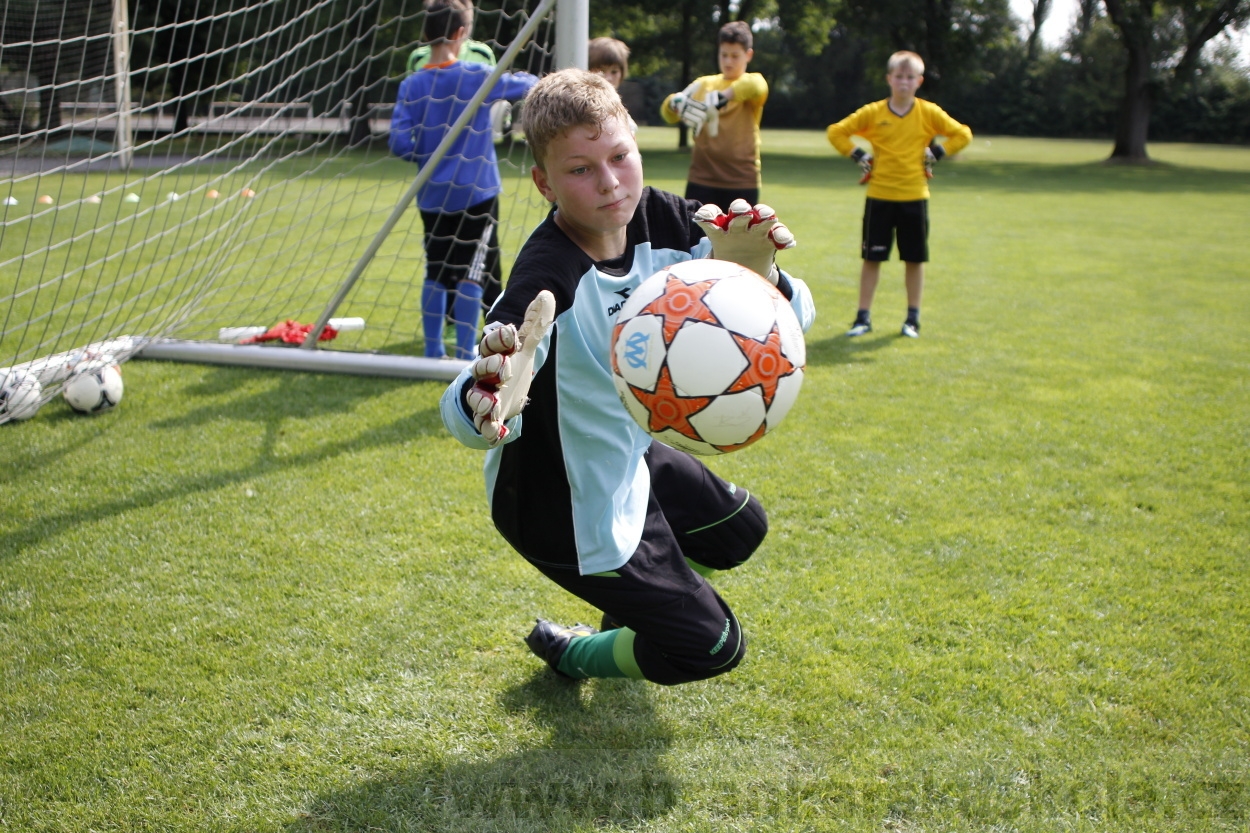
{"x":932,"y":155}
{"x":747,"y":236}
{"x":864,"y":159}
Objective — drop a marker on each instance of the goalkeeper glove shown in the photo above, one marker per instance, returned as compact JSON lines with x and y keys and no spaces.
{"x":864,"y":160}
{"x":692,"y":112}
{"x":932,"y":155}
{"x":747,"y":236}
{"x":505,"y":368}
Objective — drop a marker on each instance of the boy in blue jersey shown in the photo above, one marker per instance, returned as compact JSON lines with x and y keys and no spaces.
{"x":459,"y":204}
{"x":575,"y":485}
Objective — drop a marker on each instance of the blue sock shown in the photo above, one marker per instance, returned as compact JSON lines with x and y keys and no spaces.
{"x":465,"y":311}
{"x":433,"y":311}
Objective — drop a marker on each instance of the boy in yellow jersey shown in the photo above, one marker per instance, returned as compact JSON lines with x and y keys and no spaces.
{"x":724,"y":111}
{"x":902,"y":129}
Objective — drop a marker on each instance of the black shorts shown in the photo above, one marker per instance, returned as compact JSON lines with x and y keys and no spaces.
{"x":685,"y":630}
{"x":882,"y":218}
{"x":463,"y":245}
{"x":721,"y":197}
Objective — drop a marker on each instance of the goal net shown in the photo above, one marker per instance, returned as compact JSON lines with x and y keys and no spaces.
{"x":189,"y":172}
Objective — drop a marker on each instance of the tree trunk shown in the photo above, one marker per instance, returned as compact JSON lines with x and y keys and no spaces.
{"x":1134,"y":124}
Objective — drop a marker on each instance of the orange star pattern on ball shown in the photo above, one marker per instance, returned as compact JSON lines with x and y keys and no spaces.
{"x":666,"y":408}
{"x":679,"y":302}
{"x":766,"y":365}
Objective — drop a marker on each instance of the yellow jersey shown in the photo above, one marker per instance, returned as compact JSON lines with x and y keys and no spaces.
{"x":898,"y":144}
{"x":731,"y":158}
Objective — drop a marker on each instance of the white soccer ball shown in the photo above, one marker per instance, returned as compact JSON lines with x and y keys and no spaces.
{"x":94,"y":388}
{"x":707,"y":356}
{"x":20,"y":395}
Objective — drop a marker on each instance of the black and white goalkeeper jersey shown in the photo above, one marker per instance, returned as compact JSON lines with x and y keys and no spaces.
{"x":568,"y":486}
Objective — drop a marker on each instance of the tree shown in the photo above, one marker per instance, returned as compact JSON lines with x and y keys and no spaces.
{"x":1163,"y":41}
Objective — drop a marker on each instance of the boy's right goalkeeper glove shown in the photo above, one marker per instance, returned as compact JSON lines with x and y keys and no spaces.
{"x":864,"y":160}
{"x":505,"y":368}
{"x":932,"y":155}
{"x":692,"y":112}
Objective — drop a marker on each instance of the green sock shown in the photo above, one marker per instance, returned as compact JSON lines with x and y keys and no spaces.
{"x":607,"y":654}
{"x":701,"y":569}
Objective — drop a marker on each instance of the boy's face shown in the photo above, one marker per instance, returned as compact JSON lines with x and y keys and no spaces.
{"x":614,"y":74}
{"x":594,"y":176}
{"x":734,"y":58}
{"x":904,"y":80}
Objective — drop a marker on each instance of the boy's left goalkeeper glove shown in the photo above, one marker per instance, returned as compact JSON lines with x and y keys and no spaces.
{"x":747,"y":236}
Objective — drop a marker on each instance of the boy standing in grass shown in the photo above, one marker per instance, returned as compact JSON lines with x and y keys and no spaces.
{"x":575,"y":485}
{"x":460,"y":202}
{"x":902,"y":130}
{"x":724,"y":112}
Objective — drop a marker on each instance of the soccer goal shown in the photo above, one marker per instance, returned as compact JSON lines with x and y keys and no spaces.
{"x":176,"y":177}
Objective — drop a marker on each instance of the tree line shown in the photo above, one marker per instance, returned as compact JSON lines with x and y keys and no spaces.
{"x":1128,"y":70}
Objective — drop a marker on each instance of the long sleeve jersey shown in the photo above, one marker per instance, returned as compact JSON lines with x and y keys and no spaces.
{"x":568,"y":487}
{"x":898,"y":144}
{"x":731,"y":158}
{"x":429,"y":102}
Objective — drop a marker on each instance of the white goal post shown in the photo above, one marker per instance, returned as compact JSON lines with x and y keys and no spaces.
{"x":165,"y":179}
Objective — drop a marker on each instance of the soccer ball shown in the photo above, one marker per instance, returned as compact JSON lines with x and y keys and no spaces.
{"x":94,"y":388}
{"x":20,"y":394}
{"x":707,"y":356}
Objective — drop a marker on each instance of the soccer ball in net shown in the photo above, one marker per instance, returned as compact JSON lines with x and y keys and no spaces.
{"x":707,"y":356}
{"x":94,"y":388}
{"x":20,"y":394}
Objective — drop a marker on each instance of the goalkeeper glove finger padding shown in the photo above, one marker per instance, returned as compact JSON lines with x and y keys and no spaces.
{"x":747,"y":236}
{"x":505,"y":369}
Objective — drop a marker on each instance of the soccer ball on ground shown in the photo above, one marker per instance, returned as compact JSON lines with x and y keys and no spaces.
{"x":20,"y":394}
{"x":94,"y":387}
{"x":707,"y":356}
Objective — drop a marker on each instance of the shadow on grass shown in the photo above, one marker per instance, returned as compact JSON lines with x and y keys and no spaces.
{"x":298,"y":396}
{"x":839,"y":349}
{"x":600,"y":765}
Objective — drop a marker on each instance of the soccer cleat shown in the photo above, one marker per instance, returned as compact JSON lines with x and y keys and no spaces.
{"x":549,"y":641}
{"x":859,"y":328}
{"x":911,"y":329}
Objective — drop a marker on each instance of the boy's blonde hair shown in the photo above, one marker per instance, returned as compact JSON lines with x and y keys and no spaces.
{"x":905,"y":57}
{"x":564,"y":99}
{"x":602,"y":53}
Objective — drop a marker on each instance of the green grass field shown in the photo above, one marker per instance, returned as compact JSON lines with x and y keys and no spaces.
{"x":1007,"y":585}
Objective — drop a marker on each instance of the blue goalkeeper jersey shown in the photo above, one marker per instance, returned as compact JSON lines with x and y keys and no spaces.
{"x":429,"y":102}
{"x":568,"y":487}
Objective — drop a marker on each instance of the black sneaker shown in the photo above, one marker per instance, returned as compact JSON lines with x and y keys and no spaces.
{"x":548,"y":641}
{"x":911,"y":329}
{"x":859,"y":328}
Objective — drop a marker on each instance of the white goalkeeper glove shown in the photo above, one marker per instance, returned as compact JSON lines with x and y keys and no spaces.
{"x":747,"y":236}
{"x":504,"y":369}
{"x":860,"y":157}
{"x":692,"y":112}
